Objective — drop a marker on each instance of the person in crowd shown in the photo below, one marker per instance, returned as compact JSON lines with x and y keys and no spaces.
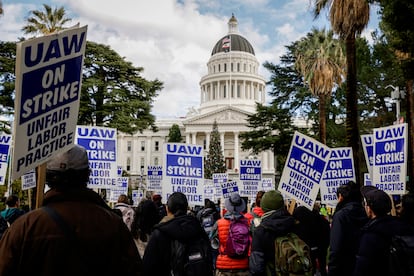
{"x":208,"y":215}
{"x":256,"y":213}
{"x":74,"y":232}
{"x":145,"y":218}
{"x":372,"y":257}
{"x":225,"y":265}
{"x":13,"y":211}
{"x":276,"y":221}
{"x":162,"y":212}
{"x":407,"y":208}
{"x":123,"y":204}
{"x":347,"y":221}
{"x":314,"y":230}
{"x":176,"y":225}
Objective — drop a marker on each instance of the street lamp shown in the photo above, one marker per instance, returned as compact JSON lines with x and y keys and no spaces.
{"x":396,"y":95}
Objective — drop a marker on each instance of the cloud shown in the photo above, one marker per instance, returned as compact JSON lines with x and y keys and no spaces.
{"x":172,"y":40}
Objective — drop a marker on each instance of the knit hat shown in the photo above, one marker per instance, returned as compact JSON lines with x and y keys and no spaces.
{"x":235,"y":203}
{"x":74,"y":159}
{"x":271,"y":200}
{"x":378,"y":200}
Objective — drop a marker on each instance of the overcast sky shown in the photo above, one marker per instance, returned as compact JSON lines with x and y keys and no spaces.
{"x":172,"y":40}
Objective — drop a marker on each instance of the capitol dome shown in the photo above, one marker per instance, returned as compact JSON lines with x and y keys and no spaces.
{"x":233,"y":40}
{"x":238,"y":43}
{"x":233,"y":78}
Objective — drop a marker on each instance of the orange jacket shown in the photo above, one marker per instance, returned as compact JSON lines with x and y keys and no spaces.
{"x":224,"y":261}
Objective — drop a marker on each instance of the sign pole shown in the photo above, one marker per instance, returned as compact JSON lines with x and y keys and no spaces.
{"x":41,"y":179}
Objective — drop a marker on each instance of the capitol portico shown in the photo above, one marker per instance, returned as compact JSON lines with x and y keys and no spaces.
{"x":228,"y":94}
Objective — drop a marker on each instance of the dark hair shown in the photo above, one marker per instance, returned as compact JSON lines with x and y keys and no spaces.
{"x":12,"y":200}
{"x":145,"y":217}
{"x":177,"y":204}
{"x":259,"y":196}
{"x":70,"y":179}
{"x":350,"y":193}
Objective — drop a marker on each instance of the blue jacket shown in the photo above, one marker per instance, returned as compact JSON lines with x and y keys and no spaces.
{"x":372,"y":258}
{"x":11,"y":214}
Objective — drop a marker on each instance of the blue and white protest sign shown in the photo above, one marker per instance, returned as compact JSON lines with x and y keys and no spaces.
{"x":5,"y":145}
{"x":339,"y":171}
{"x":229,"y":188}
{"x":100,"y":144}
{"x":304,"y":169}
{"x":121,"y":189}
{"x":218,"y":179}
{"x":28,"y":180}
{"x":154,"y":177}
{"x":367,"y":179}
{"x":267,"y":184}
{"x":250,"y":169}
{"x":250,"y":177}
{"x":209,"y":189}
{"x":48,"y":87}
{"x":367,"y":141}
{"x":137,"y":196}
{"x":389,"y":170}
{"x":184,"y":172}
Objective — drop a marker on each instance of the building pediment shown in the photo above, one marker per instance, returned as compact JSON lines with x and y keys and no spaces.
{"x":224,"y":115}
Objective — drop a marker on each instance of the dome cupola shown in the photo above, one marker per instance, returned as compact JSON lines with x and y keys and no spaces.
{"x":233,"y":41}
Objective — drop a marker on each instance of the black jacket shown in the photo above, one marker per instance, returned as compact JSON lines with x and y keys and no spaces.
{"x":372,"y":258}
{"x":272,"y":225}
{"x":346,"y":228}
{"x":157,"y":258}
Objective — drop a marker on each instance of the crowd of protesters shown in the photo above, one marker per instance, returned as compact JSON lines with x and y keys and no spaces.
{"x":75,"y":232}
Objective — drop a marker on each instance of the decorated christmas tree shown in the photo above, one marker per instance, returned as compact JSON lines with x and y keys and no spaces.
{"x":214,"y":162}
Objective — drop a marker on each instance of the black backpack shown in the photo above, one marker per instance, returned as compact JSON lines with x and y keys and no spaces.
{"x":192,"y":258}
{"x":401,"y":259}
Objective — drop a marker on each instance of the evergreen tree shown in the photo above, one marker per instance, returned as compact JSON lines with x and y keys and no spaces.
{"x":174,"y":136}
{"x":114,"y":94}
{"x":214,"y":162}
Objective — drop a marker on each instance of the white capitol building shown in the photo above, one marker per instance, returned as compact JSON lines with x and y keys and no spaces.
{"x":228,"y":94}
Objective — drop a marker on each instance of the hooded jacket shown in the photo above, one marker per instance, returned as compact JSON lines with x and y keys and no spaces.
{"x":11,"y":214}
{"x":274,"y":224}
{"x":35,"y":245}
{"x":157,"y":257}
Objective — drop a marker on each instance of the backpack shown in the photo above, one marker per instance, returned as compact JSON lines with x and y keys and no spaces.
{"x":192,"y":258}
{"x":292,"y":256}
{"x":238,"y":240}
{"x":401,"y":258}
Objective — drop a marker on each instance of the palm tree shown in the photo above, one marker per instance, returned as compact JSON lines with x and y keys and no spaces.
{"x":348,"y":19}
{"x":46,"y":22}
{"x":321,"y":62}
